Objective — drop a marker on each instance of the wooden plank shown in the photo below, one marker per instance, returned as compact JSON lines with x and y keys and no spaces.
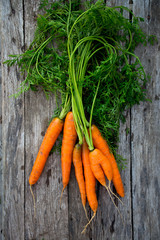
{"x":146,"y":132}
{"x":51,"y":220}
{"x":13,"y":124}
{"x":108,"y":223}
{"x":0,"y":137}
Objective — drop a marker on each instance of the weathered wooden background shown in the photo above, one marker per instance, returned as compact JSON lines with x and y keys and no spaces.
{"x":24,"y":121}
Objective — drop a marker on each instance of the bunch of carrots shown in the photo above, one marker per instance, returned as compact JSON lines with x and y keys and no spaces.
{"x":89,"y":164}
{"x":90,"y":67}
{"x":82,"y":142}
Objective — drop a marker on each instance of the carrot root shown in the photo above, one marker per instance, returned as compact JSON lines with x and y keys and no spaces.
{"x":34,"y":202}
{"x":61,"y":196}
{"x":109,"y":186}
{"x":114,"y":203}
{"x":84,"y":230}
{"x":85,"y":212}
{"x":68,"y":142}
{"x":51,"y":135}
{"x":100,"y":143}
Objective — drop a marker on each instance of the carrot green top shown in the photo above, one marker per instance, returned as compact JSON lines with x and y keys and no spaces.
{"x":83,"y":56}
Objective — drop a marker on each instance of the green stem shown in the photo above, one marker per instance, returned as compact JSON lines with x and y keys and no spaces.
{"x":77,"y":105}
{"x":46,"y":42}
{"x":77,"y":120}
{"x":66,"y":108}
{"x":91,"y":114}
{"x":43,"y":44}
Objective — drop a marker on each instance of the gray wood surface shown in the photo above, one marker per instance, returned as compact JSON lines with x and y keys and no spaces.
{"x":13,"y":124}
{"x":0,"y":133}
{"x":145,"y":128}
{"x":24,"y":122}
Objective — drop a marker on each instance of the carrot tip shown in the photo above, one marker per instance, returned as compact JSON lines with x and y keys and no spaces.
{"x":108,"y":190}
{"x":84,"y":230}
{"x":85,"y":212}
{"x":61,"y":196}
{"x":34,"y":202}
{"x":109,"y":186}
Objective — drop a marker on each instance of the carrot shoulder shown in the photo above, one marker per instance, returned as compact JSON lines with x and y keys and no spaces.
{"x":50,"y":137}
{"x":100,"y":143}
{"x":68,"y":143}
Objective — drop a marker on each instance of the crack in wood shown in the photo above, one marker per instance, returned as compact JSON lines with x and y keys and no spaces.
{"x":48,"y":176}
{"x":12,"y":9}
{"x":112,"y":225}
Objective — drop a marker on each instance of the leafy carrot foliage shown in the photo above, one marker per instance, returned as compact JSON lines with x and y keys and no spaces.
{"x":104,"y":37}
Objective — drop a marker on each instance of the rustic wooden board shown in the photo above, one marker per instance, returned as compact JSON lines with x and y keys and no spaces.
{"x":13,"y":124}
{"x":0,"y":137}
{"x":145,"y":125}
{"x":24,"y":123}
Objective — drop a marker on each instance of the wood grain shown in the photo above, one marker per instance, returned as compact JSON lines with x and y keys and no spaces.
{"x":0,"y":136}
{"x":13,"y":124}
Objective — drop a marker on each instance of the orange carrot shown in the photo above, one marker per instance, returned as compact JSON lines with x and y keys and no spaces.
{"x":100,"y":166}
{"x":77,"y":161}
{"x":68,"y":143}
{"x":50,"y":137}
{"x":90,"y":180}
{"x":100,"y":143}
